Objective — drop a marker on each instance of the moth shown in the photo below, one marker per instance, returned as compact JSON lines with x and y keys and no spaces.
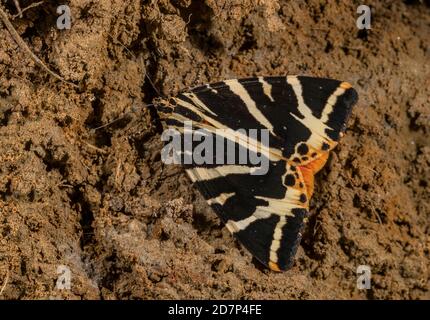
{"x":303,"y":117}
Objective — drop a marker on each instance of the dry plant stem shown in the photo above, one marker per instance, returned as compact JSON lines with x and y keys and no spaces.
{"x":18,"y":8}
{"x":6,"y":280}
{"x":95,"y":148}
{"x":33,"y":5}
{"x":25,"y":47}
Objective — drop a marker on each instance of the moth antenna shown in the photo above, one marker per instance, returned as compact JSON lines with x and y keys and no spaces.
{"x":153,"y":86}
{"x":111,"y":122}
{"x":134,"y":109}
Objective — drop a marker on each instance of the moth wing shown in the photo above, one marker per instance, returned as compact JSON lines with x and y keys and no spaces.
{"x":305,"y":118}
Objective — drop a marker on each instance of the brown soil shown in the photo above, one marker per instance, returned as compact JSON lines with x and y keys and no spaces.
{"x":102,"y":203}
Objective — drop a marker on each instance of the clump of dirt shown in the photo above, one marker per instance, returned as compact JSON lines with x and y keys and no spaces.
{"x":98,"y":201}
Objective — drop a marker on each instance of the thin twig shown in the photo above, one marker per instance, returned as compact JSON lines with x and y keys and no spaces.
{"x":6,"y":280}
{"x":116,"y":41}
{"x":62,"y":184}
{"x":36,"y":4}
{"x":18,"y":8}
{"x":95,"y":148}
{"x":316,"y":227}
{"x":151,"y":82}
{"x":153,"y":86}
{"x":15,"y":35}
{"x":189,"y":19}
{"x":117,"y":172}
{"x":376,"y":214}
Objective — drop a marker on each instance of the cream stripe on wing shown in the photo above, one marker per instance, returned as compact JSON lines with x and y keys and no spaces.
{"x":328,"y":108}
{"x":201,"y":174}
{"x":290,"y":201}
{"x":211,"y":89}
{"x":237,"y":88}
{"x":276,"y":242}
{"x":310,"y":120}
{"x":267,"y":88}
{"x":198,"y":102}
{"x":275,"y":207}
{"x":318,"y":136}
{"x":221,"y":199}
{"x":236,"y":226}
{"x":237,"y":136}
